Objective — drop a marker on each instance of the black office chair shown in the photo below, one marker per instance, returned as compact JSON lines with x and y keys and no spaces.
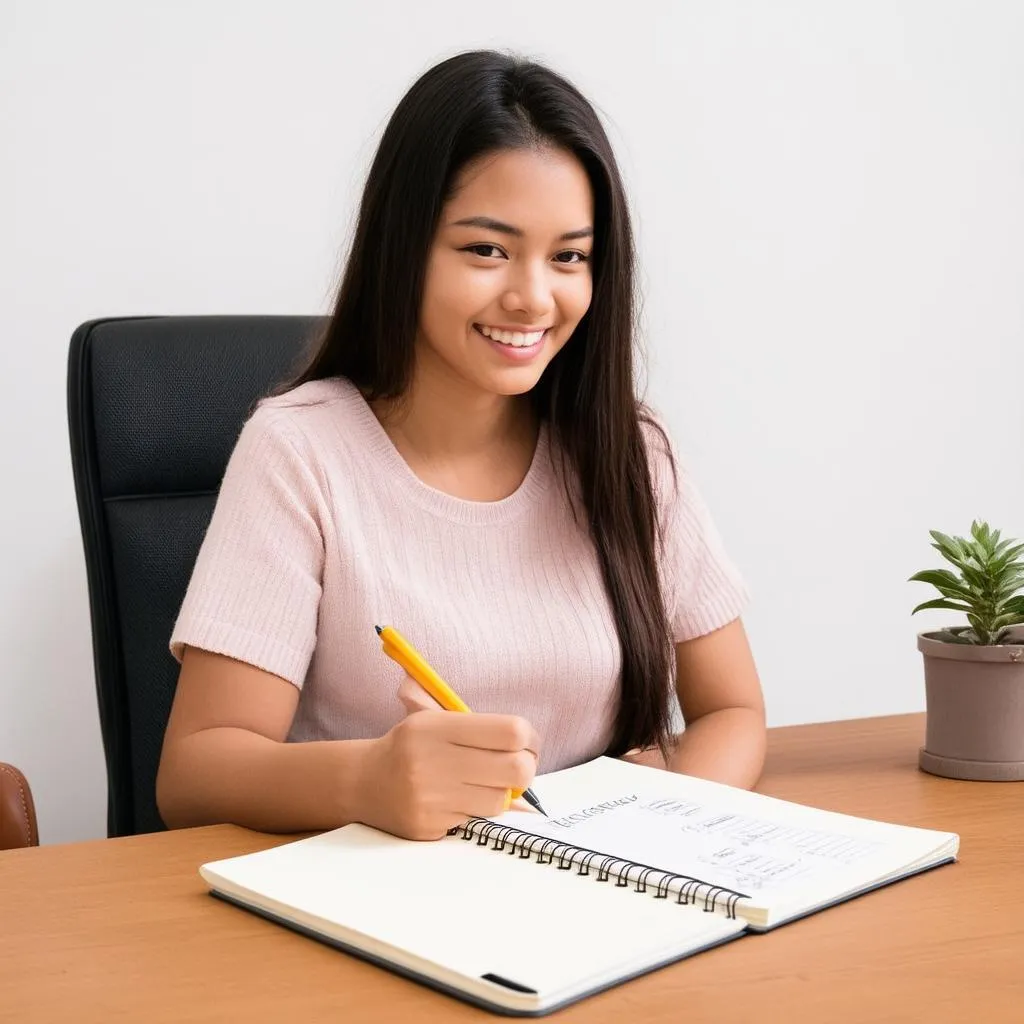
{"x":155,"y":405}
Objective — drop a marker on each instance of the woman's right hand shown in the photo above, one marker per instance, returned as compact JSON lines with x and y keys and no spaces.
{"x":436,"y":768}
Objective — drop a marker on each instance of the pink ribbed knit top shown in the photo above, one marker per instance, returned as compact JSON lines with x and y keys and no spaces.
{"x":322,"y":530}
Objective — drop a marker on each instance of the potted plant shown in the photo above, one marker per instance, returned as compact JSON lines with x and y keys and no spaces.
{"x":974,"y":674}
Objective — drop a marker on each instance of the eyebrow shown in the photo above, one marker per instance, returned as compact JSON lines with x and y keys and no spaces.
{"x":490,"y":224}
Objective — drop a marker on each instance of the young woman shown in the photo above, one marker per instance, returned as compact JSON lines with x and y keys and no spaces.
{"x":464,"y":458}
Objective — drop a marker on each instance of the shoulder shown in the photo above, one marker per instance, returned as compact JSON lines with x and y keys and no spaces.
{"x":661,"y":450}
{"x":302,"y":439}
{"x":308,"y":417}
{"x":308,"y":402}
{"x":655,"y":432}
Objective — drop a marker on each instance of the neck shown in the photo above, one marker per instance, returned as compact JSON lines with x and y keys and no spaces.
{"x":443,"y":416}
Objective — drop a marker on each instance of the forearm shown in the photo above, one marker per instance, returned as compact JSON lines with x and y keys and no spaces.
{"x":723,"y":746}
{"x":233,"y":775}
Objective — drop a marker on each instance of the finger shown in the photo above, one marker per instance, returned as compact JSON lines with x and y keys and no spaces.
{"x":491,"y":769}
{"x":493,"y":732}
{"x":414,"y":698}
{"x":482,"y":801}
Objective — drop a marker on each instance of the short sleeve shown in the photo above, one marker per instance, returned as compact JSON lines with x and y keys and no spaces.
{"x":255,"y":589}
{"x":703,"y":587}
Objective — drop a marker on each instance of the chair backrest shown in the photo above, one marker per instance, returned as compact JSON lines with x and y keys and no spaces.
{"x":155,"y":406}
{"x":17,"y":810}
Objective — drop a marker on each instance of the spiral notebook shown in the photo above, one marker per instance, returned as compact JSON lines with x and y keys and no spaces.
{"x":633,"y":869}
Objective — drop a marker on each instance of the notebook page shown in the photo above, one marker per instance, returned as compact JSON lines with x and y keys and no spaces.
{"x":470,"y":910}
{"x":775,"y":853}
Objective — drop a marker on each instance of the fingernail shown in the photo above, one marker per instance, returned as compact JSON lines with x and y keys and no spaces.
{"x":508,"y":799}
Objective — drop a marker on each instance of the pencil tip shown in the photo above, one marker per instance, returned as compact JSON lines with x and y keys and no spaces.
{"x":379,"y":630}
{"x":531,"y":799}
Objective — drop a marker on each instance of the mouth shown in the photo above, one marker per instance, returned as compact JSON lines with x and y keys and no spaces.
{"x":512,"y":339}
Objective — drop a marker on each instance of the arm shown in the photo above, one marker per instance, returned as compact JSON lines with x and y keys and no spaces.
{"x":225,"y":759}
{"x":723,"y":708}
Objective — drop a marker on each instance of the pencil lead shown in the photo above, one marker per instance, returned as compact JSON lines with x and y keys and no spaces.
{"x":531,"y":798}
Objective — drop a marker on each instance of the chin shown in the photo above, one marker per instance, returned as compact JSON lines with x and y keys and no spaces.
{"x":513,"y":384}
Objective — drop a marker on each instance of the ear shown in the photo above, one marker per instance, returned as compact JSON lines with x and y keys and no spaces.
{"x":414,"y":698}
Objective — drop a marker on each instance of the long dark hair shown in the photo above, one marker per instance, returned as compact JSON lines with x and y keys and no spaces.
{"x":466,"y":106}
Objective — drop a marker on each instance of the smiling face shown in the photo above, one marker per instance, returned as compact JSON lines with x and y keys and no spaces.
{"x":508,"y":277}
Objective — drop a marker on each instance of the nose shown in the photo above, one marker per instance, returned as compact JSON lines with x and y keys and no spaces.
{"x":529,"y":292}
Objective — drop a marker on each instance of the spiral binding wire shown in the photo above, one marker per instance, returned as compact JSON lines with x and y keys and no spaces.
{"x":565,"y":856}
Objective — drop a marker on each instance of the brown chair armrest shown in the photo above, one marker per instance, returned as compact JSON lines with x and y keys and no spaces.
{"x":17,"y":811}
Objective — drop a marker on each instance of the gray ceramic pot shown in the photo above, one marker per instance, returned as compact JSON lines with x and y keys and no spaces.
{"x":975,"y":710}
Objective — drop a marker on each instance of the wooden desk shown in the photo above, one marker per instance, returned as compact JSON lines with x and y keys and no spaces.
{"x":124,"y":929}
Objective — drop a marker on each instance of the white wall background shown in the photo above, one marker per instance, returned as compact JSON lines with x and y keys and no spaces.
{"x":830,"y":206}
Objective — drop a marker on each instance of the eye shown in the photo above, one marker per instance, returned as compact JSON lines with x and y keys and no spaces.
{"x":485,"y":250}
{"x":571,"y":256}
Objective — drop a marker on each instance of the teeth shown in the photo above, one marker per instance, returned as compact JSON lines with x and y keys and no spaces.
{"x":517,"y":339}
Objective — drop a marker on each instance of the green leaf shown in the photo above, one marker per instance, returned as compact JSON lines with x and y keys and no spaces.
{"x":1001,"y":576}
{"x":1007,"y":556}
{"x":1009,"y":586}
{"x":949,"y":584}
{"x":976,"y":578}
{"x":981,"y":627}
{"x":978,"y":553}
{"x":1001,"y":547}
{"x":983,"y":535}
{"x":941,"y":602}
{"x":947,"y":547}
{"x":1014,"y":605}
{"x":1012,"y":571}
{"x":1010,"y":619}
